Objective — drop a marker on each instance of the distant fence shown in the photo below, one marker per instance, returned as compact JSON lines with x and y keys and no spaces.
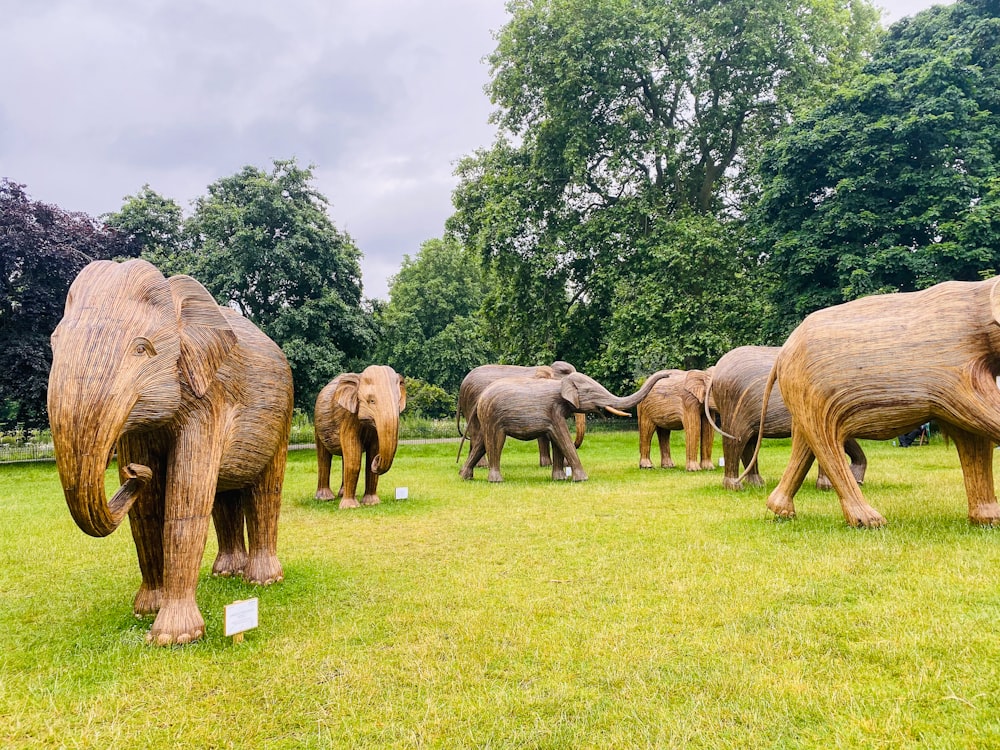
{"x":14,"y":452}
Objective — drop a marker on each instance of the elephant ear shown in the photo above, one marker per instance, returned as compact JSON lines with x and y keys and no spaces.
{"x":346,"y":393}
{"x":402,"y":392}
{"x":206,"y":337}
{"x":569,"y":391}
{"x":694,"y":383}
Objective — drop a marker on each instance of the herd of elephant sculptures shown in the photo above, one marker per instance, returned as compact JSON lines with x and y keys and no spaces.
{"x":197,"y":402}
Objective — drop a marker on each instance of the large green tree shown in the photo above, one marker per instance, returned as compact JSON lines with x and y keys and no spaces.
{"x":431,"y":327}
{"x":42,"y":249}
{"x":263,"y":243}
{"x":618,"y":118}
{"x":894,"y":183}
{"x":156,"y":225}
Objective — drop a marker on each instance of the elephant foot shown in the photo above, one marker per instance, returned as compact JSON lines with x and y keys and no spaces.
{"x":370,"y":500}
{"x":465,"y":473}
{"x":559,"y":475}
{"x":482,"y":464}
{"x":179,"y":621}
{"x":707,"y":465}
{"x":147,"y":601}
{"x":987,"y":514}
{"x":823,"y":483}
{"x":229,"y":564}
{"x":693,"y":466}
{"x":862,"y":515}
{"x":325,"y":493}
{"x":263,"y":569}
{"x":668,"y":464}
{"x":754,"y":480}
{"x":349,"y":502}
{"x":579,"y":475}
{"x":781,"y":505}
{"x":495,"y":475}
{"x":645,"y":463}
{"x":858,"y":472}
{"x":731,"y":483}
{"x":544,"y":461}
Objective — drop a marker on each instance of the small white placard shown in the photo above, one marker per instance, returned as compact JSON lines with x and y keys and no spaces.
{"x":569,"y":471}
{"x":402,"y":493}
{"x":722,"y":461}
{"x":241,"y":616}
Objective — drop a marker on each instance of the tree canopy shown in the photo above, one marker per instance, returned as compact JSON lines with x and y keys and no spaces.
{"x":617,"y":119}
{"x":42,"y":249}
{"x":893,"y":184}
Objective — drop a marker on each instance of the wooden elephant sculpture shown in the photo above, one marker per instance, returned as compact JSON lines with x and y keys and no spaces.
{"x":529,"y":407}
{"x":736,"y":389}
{"x":677,"y":403}
{"x":476,"y":381}
{"x":199,"y":404}
{"x":881,"y":366}
{"x":358,"y":413}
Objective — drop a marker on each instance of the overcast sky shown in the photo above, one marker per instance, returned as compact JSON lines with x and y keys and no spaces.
{"x":100,"y":97}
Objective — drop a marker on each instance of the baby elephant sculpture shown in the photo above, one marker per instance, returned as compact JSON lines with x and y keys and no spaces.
{"x":476,"y":381}
{"x":527,"y":408}
{"x":677,"y":403}
{"x":358,"y":413}
{"x":199,"y":404}
{"x":880,"y":366}
{"x":736,"y":389}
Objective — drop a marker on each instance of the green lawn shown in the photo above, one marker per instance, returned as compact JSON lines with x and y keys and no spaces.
{"x":638,"y":609}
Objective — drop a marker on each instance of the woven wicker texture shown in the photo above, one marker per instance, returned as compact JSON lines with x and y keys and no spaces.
{"x":677,"y":403}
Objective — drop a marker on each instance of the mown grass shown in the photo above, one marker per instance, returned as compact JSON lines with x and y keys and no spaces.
{"x":638,"y":609}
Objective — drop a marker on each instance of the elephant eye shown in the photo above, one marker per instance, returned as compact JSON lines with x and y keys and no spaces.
{"x":143,"y":347}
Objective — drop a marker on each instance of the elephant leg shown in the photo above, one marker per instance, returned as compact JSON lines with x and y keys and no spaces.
{"x":780,"y":502}
{"x":731,"y":464}
{"x":325,"y":459}
{"x":227,"y":515}
{"x":822,"y":480}
{"x":646,"y":428}
{"x":473,"y":433}
{"x":561,"y":438}
{"x":262,"y":507}
{"x":976,"y":456}
{"x":829,"y":452}
{"x":558,"y":464}
{"x":544,"y":457}
{"x":706,"y":440}
{"x":859,"y":461}
{"x":494,"y":438}
{"x":371,"y":478}
{"x":192,"y":474}
{"x":350,"y":445}
{"x":692,"y":434}
{"x":146,"y":522}
{"x":477,"y":452}
{"x":753,"y":477}
{"x":663,"y":440}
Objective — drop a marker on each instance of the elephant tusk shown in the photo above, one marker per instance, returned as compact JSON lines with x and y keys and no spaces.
{"x":613,"y":410}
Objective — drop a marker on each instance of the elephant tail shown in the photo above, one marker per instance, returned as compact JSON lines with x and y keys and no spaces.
{"x":708,"y":413}
{"x":461,"y":444}
{"x":458,"y":426}
{"x":771,"y":378}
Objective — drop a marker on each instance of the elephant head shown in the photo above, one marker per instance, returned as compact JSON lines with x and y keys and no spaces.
{"x":584,"y":394}
{"x":375,"y":397}
{"x":131,"y":348}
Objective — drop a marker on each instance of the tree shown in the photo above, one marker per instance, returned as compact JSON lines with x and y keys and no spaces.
{"x":156,"y":225}
{"x":431,"y":328}
{"x":263,"y":243}
{"x":618,"y":118}
{"x":893,"y":184}
{"x":42,"y":249}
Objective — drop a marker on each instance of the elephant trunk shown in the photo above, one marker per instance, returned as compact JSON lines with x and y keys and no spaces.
{"x":581,"y":428}
{"x":630,"y":402}
{"x":388,"y":439}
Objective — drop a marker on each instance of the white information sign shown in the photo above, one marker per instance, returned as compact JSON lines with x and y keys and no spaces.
{"x":241,"y":616}
{"x":402,"y":493}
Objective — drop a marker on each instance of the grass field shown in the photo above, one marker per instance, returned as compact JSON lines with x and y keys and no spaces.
{"x":638,"y":609}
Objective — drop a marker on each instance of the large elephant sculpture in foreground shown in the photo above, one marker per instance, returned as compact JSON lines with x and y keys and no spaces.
{"x":881,"y":366}
{"x":198,"y":402}
{"x":736,"y":389}
{"x":528,"y":407}
{"x":477,"y":380}
{"x":677,"y":403}
{"x":355,"y":413}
